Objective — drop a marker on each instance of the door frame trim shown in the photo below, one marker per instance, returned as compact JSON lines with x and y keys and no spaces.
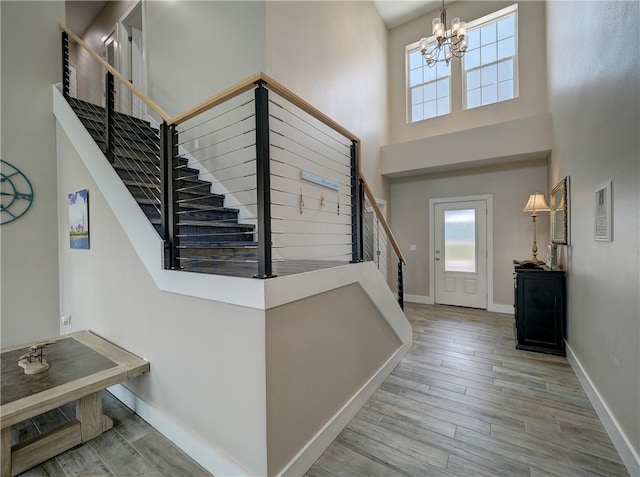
{"x":488,"y":198}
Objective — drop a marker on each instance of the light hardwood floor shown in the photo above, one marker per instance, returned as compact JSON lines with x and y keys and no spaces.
{"x":131,"y":448}
{"x":464,"y":402}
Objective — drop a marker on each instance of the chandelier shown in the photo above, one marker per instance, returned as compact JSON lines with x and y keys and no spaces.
{"x":449,"y":44}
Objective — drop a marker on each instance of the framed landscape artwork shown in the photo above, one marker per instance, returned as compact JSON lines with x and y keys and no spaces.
{"x":79,"y":219}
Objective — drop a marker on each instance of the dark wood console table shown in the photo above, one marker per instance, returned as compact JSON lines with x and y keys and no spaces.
{"x":81,"y":365}
{"x":540,"y":310}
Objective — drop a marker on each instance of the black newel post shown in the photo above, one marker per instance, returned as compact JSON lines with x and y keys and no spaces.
{"x":110,"y":120}
{"x":400,"y":285}
{"x":263,"y":182}
{"x":357,"y":201}
{"x":169,"y":194}
{"x":65,"y":65}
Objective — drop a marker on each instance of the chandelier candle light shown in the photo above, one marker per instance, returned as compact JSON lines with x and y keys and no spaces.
{"x":448,"y":43}
{"x":536,"y":204}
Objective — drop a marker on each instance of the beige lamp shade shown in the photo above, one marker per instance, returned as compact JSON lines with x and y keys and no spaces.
{"x":536,"y":203}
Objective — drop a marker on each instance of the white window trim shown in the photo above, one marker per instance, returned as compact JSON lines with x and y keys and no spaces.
{"x":407,"y":74}
{"x":491,"y":17}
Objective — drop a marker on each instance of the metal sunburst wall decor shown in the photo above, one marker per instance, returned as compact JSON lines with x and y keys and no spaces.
{"x":16,"y":192}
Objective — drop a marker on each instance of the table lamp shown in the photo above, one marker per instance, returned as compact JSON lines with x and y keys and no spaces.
{"x":536,"y":204}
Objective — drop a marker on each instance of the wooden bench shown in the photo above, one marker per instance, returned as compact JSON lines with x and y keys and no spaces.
{"x":81,"y":365}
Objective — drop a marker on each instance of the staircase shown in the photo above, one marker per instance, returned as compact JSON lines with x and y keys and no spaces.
{"x":210,"y":238}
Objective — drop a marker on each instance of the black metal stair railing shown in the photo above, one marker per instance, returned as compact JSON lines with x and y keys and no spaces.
{"x":251,"y":182}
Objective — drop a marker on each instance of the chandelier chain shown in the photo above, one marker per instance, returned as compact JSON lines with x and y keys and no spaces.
{"x":449,"y":43}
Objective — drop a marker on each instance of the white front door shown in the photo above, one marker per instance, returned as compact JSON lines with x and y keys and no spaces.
{"x":460,"y":253}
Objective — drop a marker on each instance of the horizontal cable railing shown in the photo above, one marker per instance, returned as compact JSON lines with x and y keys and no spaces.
{"x":218,"y":234}
{"x":312,"y":197}
{"x":253,"y":181}
{"x":380,"y":247}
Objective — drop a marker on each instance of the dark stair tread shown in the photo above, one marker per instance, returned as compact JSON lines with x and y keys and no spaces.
{"x":188,"y":208}
{"x":191,"y":197}
{"x":147,"y":201}
{"x":216,"y":224}
{"x":190,"y":173}
{"x":222,"y":245}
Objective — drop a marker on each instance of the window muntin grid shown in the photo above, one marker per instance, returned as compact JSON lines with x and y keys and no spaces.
{"x":429,"y":88}
{"x":490,"y":63}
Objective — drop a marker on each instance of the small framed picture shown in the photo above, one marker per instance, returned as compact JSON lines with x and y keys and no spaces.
{"x":79,"y":219}
{"x":602,"y":212}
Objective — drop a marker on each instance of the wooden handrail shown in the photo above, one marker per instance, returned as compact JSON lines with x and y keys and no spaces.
{"x":144,"y":98}
{"x":374,"y":203}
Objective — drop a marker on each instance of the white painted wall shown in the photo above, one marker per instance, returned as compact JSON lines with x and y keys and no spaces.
{"x":197,"y":49}
{"x":90,"y":76}
{"x":224,"y":405}
{"x":30,"y":63}
{"x":334,"y":55}
{"x":595,"y":102}
{"x":533,"y":93}
{"x":510,"y":186}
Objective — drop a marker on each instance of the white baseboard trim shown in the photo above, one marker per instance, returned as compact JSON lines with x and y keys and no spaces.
{"x":627,"y":453}
{"x":325,"y":436}
{"x":421,"y":299}
{"x":498,"y":308}
{"x":427,"y":300}
{"x":211,"y":459}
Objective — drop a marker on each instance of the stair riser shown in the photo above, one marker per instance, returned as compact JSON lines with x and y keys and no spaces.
{"x":212,"y":235}
{"x":219,"y":237}
{"x":151,"y":174}
{"x":207,"y":200}
{"x":229,"y":216}
{"x":154,"y":192}
{"x":142,"y":193}
{"x":186,"y":199}
{"x":133,"y":171}
{"x":209,"y":215}
{"x":130,"y":159}
{"x":131,"y":150}
{"x":193,"y":186}
{"x":148,"y":149}
{"x":220,"y":253}
{"x":148,"y":177}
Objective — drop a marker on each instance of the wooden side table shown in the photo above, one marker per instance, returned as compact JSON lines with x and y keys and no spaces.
{"x":81,"y":365}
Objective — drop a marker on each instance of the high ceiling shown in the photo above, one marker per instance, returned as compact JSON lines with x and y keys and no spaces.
{"x":397,"y":12}
{"x":80,"y":13}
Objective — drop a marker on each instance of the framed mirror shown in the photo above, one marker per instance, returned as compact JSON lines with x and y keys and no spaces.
{"x":559,"y":205}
